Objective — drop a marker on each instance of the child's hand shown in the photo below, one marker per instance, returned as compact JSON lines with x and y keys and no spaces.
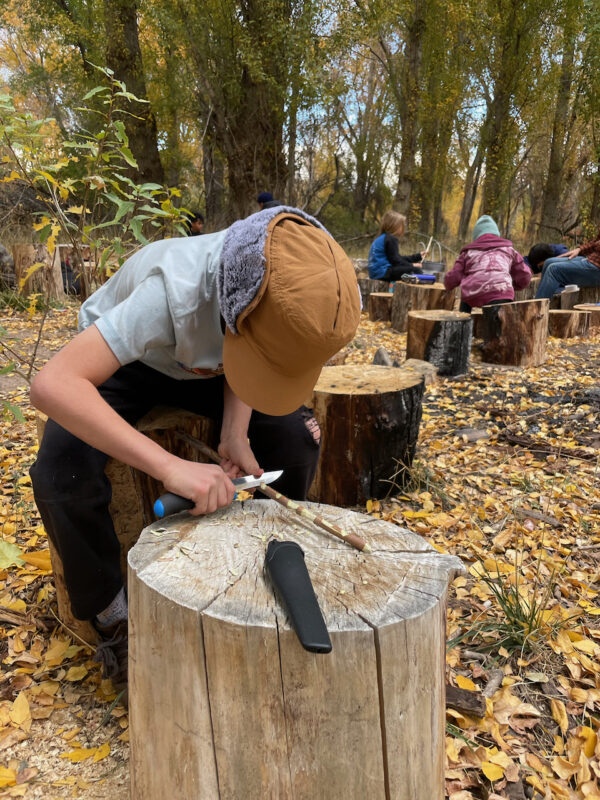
{"x":237,"y":457}
{"x":571,"y":253}
{"x":205,"y":484}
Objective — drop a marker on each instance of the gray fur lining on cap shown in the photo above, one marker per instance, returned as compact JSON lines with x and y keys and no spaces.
{"x":243,"y":260}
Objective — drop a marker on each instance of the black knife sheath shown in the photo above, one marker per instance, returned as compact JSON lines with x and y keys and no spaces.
{"x":286,"y":567}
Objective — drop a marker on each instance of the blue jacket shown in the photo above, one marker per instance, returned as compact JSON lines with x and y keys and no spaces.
{"x":378,"y":261}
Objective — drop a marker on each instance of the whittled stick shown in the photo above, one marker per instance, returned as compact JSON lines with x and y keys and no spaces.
{"x":292,"y":505}
{"x":302,"y":511}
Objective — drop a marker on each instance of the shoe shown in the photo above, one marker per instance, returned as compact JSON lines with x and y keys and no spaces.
{"x":112,"y":653}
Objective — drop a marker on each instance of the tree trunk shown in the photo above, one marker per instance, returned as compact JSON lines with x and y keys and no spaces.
{"x":412,"y":297}
{"x":551,"y":222}
{"x":441,"y":337}
{"x":470,"y":193}
{"x":226,"y":704}
{"x":124,"y":57}
{"x":515,"y":333}
{"x":369,"y":418}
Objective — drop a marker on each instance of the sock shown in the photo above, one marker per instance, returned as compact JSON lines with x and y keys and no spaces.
{"x":115,"y":612}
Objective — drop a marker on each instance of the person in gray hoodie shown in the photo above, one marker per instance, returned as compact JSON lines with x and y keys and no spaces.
{"x":488,"y":270}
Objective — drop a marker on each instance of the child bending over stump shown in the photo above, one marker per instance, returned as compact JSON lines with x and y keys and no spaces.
{"x":233,"y":325}
{"x":385,"y":261}
{"x":488,"y":270}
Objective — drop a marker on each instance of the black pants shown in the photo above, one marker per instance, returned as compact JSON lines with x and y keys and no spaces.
{"x":467,"y":308}
{"x":396,"y":271}
{"x":72,"y":492}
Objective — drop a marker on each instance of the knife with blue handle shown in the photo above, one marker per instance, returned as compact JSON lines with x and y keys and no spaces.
{"x":170,"y":503}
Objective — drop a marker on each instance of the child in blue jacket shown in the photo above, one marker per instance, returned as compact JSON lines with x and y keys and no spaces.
{"x":385,"y":262}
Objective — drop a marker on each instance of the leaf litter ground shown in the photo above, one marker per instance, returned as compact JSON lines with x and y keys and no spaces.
{"x":506,"y":476}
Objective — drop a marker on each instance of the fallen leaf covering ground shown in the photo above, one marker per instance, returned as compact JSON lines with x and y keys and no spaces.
{"x":506,"y":477}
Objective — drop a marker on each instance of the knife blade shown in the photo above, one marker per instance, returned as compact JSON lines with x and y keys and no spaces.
{"x":170,"y":503}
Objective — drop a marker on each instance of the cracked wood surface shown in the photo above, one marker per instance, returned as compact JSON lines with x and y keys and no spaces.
{"x":225,"y":701}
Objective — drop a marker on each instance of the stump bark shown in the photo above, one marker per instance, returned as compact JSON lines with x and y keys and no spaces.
{"x":369,"y":418}
{"x":515,"y":333}
{"x":441,"y":337}
{"x":380,"y":306}
{"x":529,"y":292}
{"x":568,"y":324}
{"x":225,"y":703}
{"x":134,"y":492}
{"x":594,"y":312}
{"x":368,"y":285}
{"x":564,"y":300}
{"x":477,"y":317}
{"x":411,"y":297}
{"x":589,"y":294}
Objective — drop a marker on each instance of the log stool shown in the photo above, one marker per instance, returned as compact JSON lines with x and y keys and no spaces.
{"x":565,"y":300}
{"x":441,"y":337}
{"x":134,"y":492}
{"x":593,"y":310}
{"x":565,"y":324}
{"x":380,"y":306}
{"x":589,"y":294}
{"x":515,"y":333}
{"x":368,"y":285}
{"x":529,"y":292}
{"x":414,"y":297}
{"x":225,"y":703}
{"x":369,"y":418}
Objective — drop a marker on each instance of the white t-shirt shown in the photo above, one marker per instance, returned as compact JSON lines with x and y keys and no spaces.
{"x":162,"y":308}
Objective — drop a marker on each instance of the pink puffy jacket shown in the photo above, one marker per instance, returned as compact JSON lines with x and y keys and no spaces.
{"x":488,"y":269}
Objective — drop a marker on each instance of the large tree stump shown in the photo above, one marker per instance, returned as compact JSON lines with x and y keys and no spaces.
{"x":441,"y":337}
{"x":134,"y":492}
{"x":369,"y":418}
{"x":413,"y":297}
{"x":564,"y":324}
{"x":380,"y":306}
{"x":37,"y":270}
{"x":225,"y":703}
{"x":529,"y":292}
{"x":515,"y":333}
{"x":593,"y":310}
{"x":368,"y":285}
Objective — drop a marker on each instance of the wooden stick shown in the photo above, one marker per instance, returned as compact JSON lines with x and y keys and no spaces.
{"x":351,"y":538}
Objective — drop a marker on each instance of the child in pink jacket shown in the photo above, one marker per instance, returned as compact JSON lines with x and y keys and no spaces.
{"x":488,"y":269}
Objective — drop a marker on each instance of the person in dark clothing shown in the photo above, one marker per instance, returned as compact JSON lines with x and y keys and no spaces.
{"x":195,"y":223}
{"x":265,"y":200}
{"x":385,"y":261}
{"x":540,"y":252}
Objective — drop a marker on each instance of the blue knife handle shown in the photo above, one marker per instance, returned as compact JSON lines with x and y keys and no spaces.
{"x":170,"y":503}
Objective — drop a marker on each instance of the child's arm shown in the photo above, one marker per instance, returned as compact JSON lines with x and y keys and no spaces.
{"x":519,"y":272}
{"x":456,"y":274}
{"x":65,"y":390}
{"x":234,"y":448}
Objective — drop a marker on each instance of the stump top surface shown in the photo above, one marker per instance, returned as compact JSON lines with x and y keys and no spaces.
{"x":587,"y":307}
{"x":382,"y":294}
{"x":438,"y":314}
{"x":214,"y":564}
{"x":429,"y":286}
{"x":351,"y":379}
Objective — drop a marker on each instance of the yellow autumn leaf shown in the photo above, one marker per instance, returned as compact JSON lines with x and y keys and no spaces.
{"x":466,"y":683}
{"x":40,"y":559}
{"x":81,"y":754}
{"x":76,"y":673}
{"x":586,"y":646}
{"x":559,"y":714}
{"x":20,"y":713}
{"x":493,"y":772}
{"x":102,"y":752}
{"x":56,"y":652}
{"x":8,"y":777}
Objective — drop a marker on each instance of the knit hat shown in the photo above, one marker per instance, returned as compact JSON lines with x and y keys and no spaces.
{"x":483,"y":225}
{"x":305,"y":309}
{"x":264,"y":197}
